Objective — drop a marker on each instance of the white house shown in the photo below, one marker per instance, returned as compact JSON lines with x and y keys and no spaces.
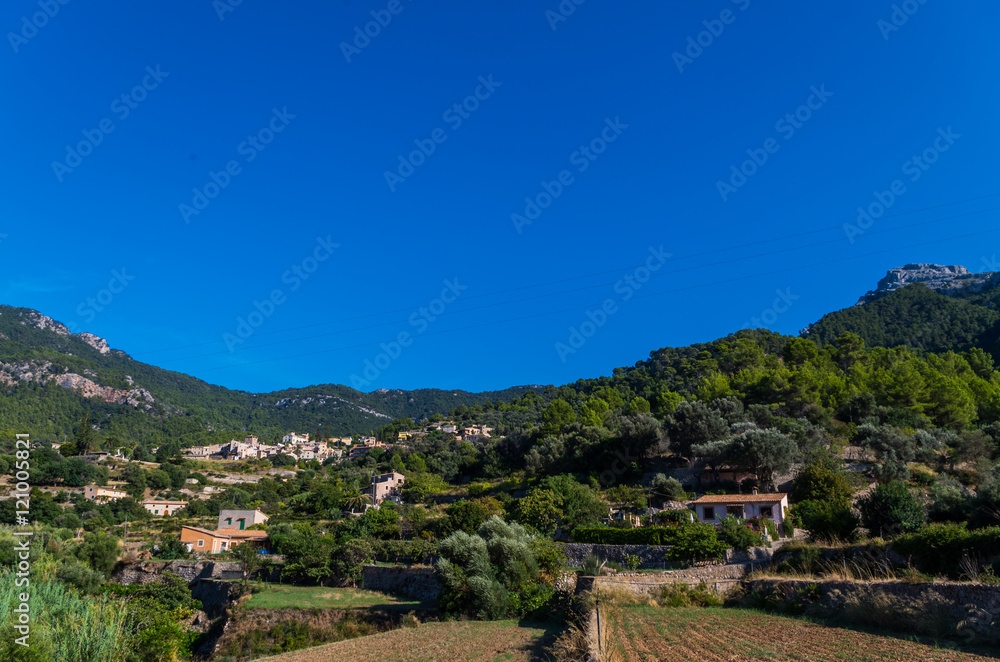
{"x":240,"y":519}
{"x":712,"y":508}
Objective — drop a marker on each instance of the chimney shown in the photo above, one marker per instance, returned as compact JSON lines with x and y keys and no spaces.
{"x":755,"y":490}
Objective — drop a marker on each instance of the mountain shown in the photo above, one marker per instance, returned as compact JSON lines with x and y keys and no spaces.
{"x":923,"y":306}
{"x":949,"y":280}
{"x":49,"y":377}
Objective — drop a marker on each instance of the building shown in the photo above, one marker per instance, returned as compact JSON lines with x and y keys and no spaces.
{"x":162,"y":507}
{"x":713,"y":508}
{"x":103,"y":494}
{"x":203,"y":451}
{"x":294,"y":438}
{"x":386,"y":486}
{"x":221,"y":540}
{"x":240,"y":519}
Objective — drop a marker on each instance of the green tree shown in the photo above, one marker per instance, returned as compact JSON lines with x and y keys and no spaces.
{"x":541,"y":509}
{"x":85,"y":438}
{"x":99,"y":551}
{"x":891,"y":509}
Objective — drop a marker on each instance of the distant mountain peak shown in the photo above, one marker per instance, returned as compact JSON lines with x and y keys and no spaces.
{"x":946,"y":279}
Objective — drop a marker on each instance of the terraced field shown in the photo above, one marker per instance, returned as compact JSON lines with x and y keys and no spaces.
{"x":496,"y":641}
{"x":641,"y":633}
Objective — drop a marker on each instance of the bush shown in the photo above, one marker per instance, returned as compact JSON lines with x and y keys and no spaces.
{"x":939,"y":548}
{"x":603,"y":535}
{"x":696,"y":542}
{"x":740,"y":536}
{"x":827,"y":520}
{"x":890,"y":509}
{"x":682,"y":595}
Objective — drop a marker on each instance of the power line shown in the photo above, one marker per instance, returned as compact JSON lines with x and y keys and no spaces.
{"x":578,"y":308}
{"x":570,"y":291}
{"x":600,"y":273}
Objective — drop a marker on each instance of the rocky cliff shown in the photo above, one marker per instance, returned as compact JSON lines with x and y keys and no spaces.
{"x":949,"y":280}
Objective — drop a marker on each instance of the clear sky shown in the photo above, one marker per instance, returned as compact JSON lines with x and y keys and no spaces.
{"x":487,"y":179}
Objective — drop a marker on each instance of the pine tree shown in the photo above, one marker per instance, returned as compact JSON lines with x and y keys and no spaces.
{"x":85,"y":438}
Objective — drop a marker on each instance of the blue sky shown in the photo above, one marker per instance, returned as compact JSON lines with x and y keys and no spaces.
{"x":612,"y":119}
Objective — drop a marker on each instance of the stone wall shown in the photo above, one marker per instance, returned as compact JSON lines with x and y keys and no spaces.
{"x":652,"y":556}
{"x":719,"y":578}
{"x":146,"y":572}
{"x":417,"y":583}
{"x":957,"y":596}
{"x":215,"y":595}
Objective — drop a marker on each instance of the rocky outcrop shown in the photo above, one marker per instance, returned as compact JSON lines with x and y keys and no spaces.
{"x":39,"y":321}
{"x":136,"y":397}
{"x":100,"y":344}
{"x":948,"y":280}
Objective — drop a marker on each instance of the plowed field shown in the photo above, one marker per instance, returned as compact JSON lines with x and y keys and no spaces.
{"x":471,"y":641}
{"x":645,"y":633}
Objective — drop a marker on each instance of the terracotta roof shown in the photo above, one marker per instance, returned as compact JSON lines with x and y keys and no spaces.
{"x":152,"y":502}
{"x":236,"y":533}
{"x":742,"y":498}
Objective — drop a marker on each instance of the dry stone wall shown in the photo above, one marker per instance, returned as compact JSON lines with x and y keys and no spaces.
{"x":417,"y":583}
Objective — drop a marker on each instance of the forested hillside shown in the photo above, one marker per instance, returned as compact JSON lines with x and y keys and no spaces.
{"x":37,"y":353}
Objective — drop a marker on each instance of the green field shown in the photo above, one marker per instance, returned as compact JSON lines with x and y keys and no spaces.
{"x":277,"y":596}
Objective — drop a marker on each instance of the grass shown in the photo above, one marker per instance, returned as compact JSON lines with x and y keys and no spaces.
{"x":276,"y":596}
{"x":652,"y":632}
{"x":493,"y":641}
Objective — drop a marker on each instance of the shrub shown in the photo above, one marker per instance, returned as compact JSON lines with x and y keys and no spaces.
{"x":738,"y":535}
{"x":682,"y":595}
{"x":827,"y":520}
{"x":696,"y":542}
{"x":602,"y":535}
{"x":891,"y":509}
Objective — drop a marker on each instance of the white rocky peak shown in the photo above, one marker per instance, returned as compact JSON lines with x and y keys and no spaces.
{"x":100,"y":344}
{"x":948,"y":280}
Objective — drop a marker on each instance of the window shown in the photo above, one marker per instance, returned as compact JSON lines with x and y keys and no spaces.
{"x":201,"y":543}
{"x":766,"y":511}
{"x":709,"y":513}
{"x":229,"y":520}
{"x":242,"y":522}
{"x":736,"y":511}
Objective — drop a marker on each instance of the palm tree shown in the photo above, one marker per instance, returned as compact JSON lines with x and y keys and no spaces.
{"x":356,"y":501}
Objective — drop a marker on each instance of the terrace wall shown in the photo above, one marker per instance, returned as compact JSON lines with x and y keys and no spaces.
{"x":958,"y":596}
{"x":417,"y":583}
